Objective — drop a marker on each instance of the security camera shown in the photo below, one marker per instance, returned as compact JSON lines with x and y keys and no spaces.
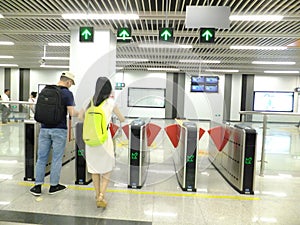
{"x":42,"y":61}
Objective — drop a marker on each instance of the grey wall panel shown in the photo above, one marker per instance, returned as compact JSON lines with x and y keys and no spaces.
{"x":227,"y":97}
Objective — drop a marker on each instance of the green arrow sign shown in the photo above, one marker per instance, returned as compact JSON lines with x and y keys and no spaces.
{"x":124,"y":34}
{"x":86,"y":34}
{"x":166,"y":34}
{"x":207,"y":35}
{"x":134,"y":155}
{"x":190,"y":158}
{"x":80,"y":152}
{"x":248,"y":161}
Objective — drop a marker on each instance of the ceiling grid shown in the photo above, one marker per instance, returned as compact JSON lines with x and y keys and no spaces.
{"x":31,"y":24}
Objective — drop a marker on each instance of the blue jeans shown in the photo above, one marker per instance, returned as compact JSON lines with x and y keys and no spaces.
{"x":57,"y":139}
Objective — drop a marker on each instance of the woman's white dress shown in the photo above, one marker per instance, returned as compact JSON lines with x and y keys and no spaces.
{"x":100,"y":159}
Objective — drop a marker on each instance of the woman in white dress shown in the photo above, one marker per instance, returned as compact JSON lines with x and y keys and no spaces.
{"x":100,"y":159}
{"x":32,"y":107}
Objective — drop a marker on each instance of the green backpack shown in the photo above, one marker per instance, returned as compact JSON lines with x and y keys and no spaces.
{"x":94,"y":125}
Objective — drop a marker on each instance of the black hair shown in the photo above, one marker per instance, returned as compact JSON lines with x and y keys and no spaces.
{"x":5,"y":90}
{"x":102,"y":90}
{"x":34,"y":93}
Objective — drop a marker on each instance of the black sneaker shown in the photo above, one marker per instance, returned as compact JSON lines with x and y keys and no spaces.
{"x":55,"y":189}
{"x":36,"y":190}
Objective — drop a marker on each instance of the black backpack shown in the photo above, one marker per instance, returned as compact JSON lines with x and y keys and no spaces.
{"x":49,"y":108}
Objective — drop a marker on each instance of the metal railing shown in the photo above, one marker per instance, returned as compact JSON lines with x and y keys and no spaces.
{"x":264,"y":130}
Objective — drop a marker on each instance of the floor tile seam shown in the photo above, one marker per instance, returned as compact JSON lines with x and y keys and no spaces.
{"x":158,"y":193}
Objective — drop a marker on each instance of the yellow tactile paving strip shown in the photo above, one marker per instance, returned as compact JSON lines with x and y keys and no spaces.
{"x":162,"y":194}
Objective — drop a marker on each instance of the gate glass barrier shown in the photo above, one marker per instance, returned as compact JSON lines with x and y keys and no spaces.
{"x":139,"y":155}
{"x":185,"y":157}
{"x":232,"y":152}
{"x":31,"y":149}
{"x":82,"y":175}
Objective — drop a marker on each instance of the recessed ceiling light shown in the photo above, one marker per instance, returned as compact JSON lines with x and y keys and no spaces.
{"x":253,"y":47}
{"x":59,"y":44}
{"x":273,"y":63}
{"x":6,"y":43}
{"x":163,"y":69}
{"x":255,"y":17}
{"x":221,"y":71}
{"x":91,"y":16}
{"x":54,"y":66}
{"x":6,"y":57}
{"x":282,"y":71}
{"x":9,"y":65}
{"x":131,"y":60}
{"x":164,"y":46}
{"x":55,"y":58}
{"x":199,"y":61}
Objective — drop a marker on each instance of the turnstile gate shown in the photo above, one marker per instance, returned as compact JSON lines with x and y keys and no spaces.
{"x":139,"y":156}
{"x":82,"y":175}
{"x":32,"y":129}
{"x":234,"y":156}
{"x":185,"y":157}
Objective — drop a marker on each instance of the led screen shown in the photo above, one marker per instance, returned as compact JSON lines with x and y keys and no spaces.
{"x":205,"y":84}
{"x":273,"y":101}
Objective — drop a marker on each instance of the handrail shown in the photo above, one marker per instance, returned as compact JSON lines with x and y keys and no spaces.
{"x":265,"y":119}
{"x":269,"y":113}
{"x":18,"y":102}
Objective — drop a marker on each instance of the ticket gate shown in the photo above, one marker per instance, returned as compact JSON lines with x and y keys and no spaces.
{"x":185,"y":156}
{"x":32,"y":129}
{"x":82,"y":175}
{"x":139,"y":156}
{"x":232,"y":152}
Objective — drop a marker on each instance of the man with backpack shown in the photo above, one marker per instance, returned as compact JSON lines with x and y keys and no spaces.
{"x":5,"y":106}
{"x":53,"y":105}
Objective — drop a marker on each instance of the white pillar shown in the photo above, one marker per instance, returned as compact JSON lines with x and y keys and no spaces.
{"x":90,"y":60}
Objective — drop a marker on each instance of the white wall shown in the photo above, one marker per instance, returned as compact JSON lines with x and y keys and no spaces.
{"x":88,"y":61}
{"x":236,"y":89}
{"x":197,"y":105}
{"x":204,"y":106}
{"x":277,"y":83}
{"x":43,"y":76}
{"x":1,"y":80}
{"x":141,"y":80}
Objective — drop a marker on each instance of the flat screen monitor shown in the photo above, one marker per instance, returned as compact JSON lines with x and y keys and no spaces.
{"x":209,"y":84}
{"x":211,"y":88}
{"x":211,"y":80}
{"x":197,"y":88}
{"x":273,"y":101}
{"x":197,"y":80}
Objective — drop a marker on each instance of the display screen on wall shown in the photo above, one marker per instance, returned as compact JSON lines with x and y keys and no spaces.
{"x":273,"y":101}
{"x":146,"y":97}
{"x":205,"y":84}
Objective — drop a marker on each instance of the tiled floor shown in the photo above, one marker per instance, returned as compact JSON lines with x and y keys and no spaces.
{"x":160,"y":201}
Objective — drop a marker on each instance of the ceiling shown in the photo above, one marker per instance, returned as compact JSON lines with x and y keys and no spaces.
{"x":32,"y":24}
